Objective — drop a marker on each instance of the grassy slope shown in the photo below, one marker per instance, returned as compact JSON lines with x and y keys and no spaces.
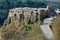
{"x":34,"y":34}
{"x":56,"y":28}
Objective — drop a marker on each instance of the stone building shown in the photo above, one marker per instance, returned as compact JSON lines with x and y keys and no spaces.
{"x":25,"y":13}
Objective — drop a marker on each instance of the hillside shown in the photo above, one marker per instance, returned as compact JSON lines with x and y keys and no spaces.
{"x":56,"y":28}
{"x":17,"y":32}
{"x":20,"y":26}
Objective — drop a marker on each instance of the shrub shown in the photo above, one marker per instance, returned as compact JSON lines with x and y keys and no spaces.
{"x":27,"y":27}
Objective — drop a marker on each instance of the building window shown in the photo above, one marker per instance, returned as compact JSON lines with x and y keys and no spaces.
{"x":9,"y":20}
{"x":23,"y":12}
{"x":15,"y":16}
{"x":12,"y":11}
{"x":18,"y":11}
{"x":31,"y":12}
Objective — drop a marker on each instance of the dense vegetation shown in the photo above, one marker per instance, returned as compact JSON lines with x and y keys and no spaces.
{"x":7,"y":4}
{"x":3,"y":16}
